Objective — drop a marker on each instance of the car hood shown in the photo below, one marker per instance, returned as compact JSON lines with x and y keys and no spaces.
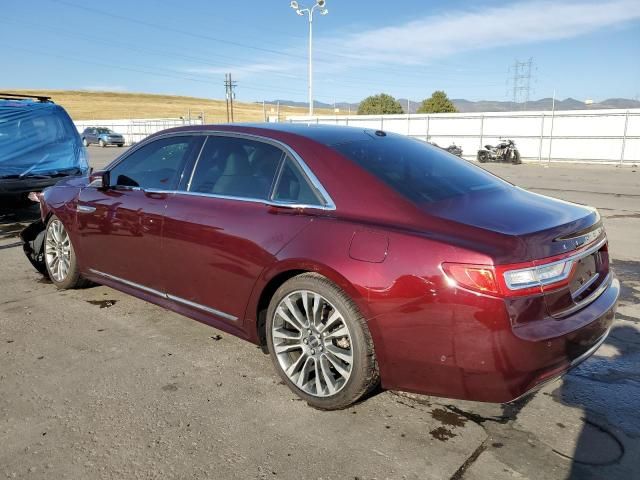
{"x":512,"y":213}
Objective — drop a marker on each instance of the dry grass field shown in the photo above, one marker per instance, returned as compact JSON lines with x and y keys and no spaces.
{"x":89,"y":105}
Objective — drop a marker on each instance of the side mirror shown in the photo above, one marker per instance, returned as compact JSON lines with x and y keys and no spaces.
{"x":99,"y":179}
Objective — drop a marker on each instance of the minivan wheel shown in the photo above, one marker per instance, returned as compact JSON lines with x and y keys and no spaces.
{"x":84,"y":142}
{"x":320,"y":343}
{"x":102,"y":143}
{"x":60,"y":257}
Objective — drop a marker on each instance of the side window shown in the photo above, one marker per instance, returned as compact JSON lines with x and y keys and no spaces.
{"x":156,"y":165}
{"x":293,"y":186}
{"x":236,"y":167}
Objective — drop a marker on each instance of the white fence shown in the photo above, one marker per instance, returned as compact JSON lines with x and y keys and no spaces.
{"x":602,"y":136}
{"x":135,"y":130}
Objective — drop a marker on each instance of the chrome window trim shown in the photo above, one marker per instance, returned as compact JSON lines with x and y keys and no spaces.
{"x":313,"y":180}
{"x":195,"y":164}
{"x":166,"y":296}
{"x":240,"y":199}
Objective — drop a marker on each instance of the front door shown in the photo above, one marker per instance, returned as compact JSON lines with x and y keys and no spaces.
{"x":224,"y":229}
{"x":121,"y":226}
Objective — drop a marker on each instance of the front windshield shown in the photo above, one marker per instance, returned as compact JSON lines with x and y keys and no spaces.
{"x":417,"y":170}
{"x":104,"y":130}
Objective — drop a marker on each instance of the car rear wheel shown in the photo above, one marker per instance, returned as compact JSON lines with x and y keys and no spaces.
{"x":84,"y":142}
{"x":60,"y":257}
{"x":319,"y":343}
{"x":102,"y":143}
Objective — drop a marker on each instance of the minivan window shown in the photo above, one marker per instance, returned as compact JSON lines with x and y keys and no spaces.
{"x":417,"y":170}
{"x":156,"y":165}
{"x":236,"y":167}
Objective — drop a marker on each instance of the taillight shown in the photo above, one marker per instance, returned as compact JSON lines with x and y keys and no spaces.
{"x":479,"y":278}
{"x":553,"y":274}
{"x":510,"y":280}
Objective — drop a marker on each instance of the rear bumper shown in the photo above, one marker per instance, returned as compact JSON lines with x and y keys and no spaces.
{"x":472,"y":351}
{"x":113,"y":142}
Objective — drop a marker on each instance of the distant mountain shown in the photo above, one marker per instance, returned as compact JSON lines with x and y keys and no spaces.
{"x":489,"y":105}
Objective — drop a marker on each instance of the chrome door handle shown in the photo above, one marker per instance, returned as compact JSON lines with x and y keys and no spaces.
{"x":85,"y":209}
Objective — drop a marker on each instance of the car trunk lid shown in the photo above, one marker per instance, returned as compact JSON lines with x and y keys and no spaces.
{"x":550,"y":230}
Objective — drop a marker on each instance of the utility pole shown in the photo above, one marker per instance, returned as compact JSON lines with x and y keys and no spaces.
{"x":521,"y":82}
{"x":230,"y":94}
{"x":226,"y":93}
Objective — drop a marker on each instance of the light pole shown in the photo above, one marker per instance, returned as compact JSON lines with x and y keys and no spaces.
{"x":302,"y":10}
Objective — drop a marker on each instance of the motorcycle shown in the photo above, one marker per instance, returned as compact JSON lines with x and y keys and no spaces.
{"x":453,"y":148}
{"x":505,"y":151}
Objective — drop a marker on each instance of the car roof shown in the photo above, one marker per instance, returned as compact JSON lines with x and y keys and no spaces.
{"x":325,"y":134}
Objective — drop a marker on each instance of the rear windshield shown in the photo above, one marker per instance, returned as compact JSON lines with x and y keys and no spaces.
{"x":417,"y":170}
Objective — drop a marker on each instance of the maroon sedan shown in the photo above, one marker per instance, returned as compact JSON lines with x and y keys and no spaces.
{"x":353,"y":256}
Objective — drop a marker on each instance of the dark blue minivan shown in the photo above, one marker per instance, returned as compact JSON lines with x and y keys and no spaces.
{"x":39,"y":145}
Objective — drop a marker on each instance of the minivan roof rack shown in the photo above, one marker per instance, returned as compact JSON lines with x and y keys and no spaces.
{"x":17,"y":96}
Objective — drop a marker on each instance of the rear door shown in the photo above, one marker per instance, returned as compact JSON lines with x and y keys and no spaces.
{"x":226,"y":225}
{"x":121,"y":226}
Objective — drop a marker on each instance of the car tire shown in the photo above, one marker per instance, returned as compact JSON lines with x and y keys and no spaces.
{"x":60,"y":257}
{"x":84,"y":142}
{"x":102,"y":143}
{"x":329,"y":361}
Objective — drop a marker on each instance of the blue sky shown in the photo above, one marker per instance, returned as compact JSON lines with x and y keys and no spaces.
{"x":581,"y":48}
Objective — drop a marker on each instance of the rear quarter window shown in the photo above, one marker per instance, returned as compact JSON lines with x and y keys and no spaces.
{"x":420,"y":172}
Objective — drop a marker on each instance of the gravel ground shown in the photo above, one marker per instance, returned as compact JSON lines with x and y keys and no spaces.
{"x":97,"y":384}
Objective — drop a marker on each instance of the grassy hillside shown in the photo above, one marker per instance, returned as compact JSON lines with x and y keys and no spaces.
{"x":86,"y":105}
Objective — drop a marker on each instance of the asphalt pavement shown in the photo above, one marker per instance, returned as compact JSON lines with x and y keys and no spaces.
{"x":98,"y":384}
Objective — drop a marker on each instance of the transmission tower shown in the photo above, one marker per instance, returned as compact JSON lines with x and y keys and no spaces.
{"x":521,"y":82}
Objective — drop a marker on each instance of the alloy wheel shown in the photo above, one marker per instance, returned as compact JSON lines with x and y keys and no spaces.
{"x":312,"y":343}
{"x":57,"y":250}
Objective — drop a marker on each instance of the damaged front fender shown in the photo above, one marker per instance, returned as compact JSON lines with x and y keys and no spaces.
{"x":33,"y":245}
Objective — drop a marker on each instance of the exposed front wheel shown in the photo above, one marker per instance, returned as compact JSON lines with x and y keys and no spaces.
{"x":319,"y":343}
{"x":60,"y":257}
{"x":102,"y":143}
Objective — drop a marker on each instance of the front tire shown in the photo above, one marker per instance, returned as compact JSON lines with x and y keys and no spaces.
{"x":102,"y":143}
{"x":319,"y":343}
{"x":60,"y":256}
{"x":84,"y":142}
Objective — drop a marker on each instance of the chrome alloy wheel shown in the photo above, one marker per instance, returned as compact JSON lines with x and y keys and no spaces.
{"x":312,"y":343}
{"x":57,"y":250}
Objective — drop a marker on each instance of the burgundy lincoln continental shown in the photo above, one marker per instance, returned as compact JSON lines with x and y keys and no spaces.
{"x":353,"y":256}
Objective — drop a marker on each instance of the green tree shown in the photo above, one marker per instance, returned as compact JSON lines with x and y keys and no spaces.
{"x":438,"y":103}
{"x":379,"y":104}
